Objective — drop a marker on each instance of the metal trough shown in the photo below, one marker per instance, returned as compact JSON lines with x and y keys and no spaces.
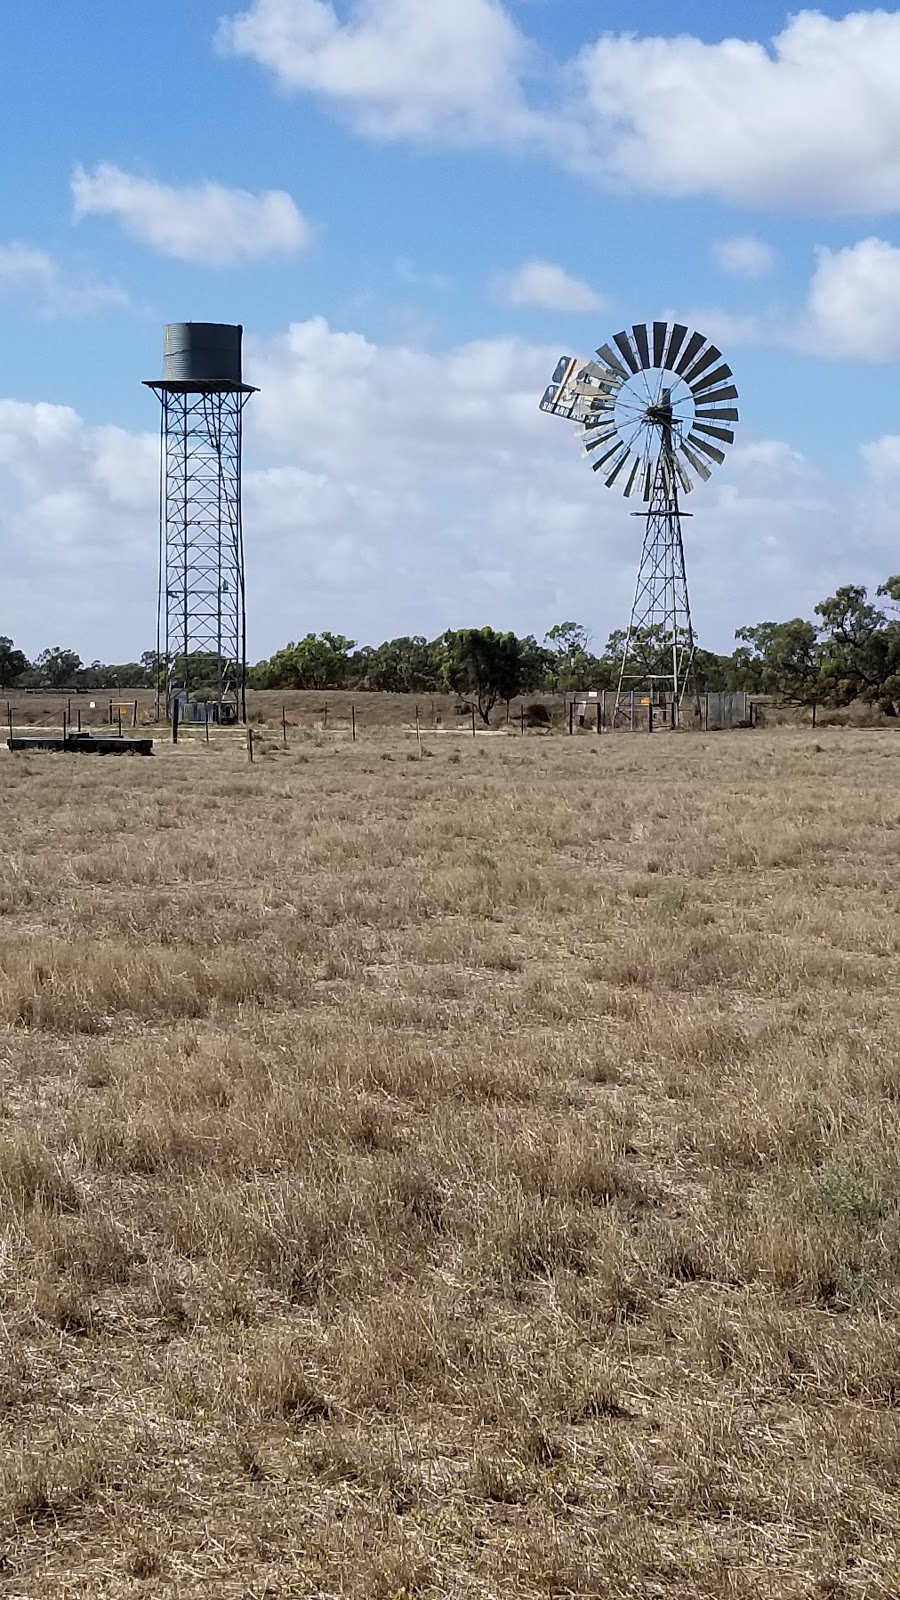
{"x":87,"y":744}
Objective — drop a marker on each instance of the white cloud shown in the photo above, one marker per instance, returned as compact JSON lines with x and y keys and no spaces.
{"x":811,"y":122}
{"x":400,"y":68}
{"x":541,"y":283}
{"x":854,"y":302}
{"x":882,"y":460}
{"x":52,"y":291}
{"x":745,"y":256}
{"x":205,"y":223}
{"x":851,"y":310}
{"x":410,"y":274}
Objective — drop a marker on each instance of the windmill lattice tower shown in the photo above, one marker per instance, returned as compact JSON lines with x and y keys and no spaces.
{"x":658,"y":404}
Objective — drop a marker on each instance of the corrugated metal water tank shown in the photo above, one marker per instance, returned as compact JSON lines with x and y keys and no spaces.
{"x":203,"y":352}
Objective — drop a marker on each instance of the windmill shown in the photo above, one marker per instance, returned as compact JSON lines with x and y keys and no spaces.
{"x":654,"y":411}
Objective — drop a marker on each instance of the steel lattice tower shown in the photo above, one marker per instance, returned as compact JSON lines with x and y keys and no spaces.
{"x":659,"y":648}
{"x":201,"y":610}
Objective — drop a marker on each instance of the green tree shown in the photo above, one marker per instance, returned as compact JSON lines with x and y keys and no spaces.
{"x":861,"y":647}
{"x":399,"y":666}
{"x":782,"y":659}
{"x":57,"y":667}
{"x":319,"y":661}
{"x":481,"y":666}
{"x":13,"y":663}
{"x":572,"y":666}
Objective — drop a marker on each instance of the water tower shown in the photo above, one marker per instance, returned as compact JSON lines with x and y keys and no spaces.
{"x":201,"y":630}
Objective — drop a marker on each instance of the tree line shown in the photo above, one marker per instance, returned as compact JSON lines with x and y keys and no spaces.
{"x":849,"y":651}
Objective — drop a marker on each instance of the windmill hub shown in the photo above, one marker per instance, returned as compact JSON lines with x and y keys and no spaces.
{"x":662,"y":414}
{"x":654,"y":408}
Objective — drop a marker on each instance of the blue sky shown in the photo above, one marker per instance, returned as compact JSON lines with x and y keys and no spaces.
{"x":416,"y":205}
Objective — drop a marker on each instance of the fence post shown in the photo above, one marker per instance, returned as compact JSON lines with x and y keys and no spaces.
{"x":522,"y":719}
{"x":175,"y":710}
{"x":250,"y":745}
{"x":418,"y":732}
{"x":64,"y":730}
{"x":649,"y":714}
{"x":325,"y":717}
{"x":599,"y":718}
{"x":571,"y":717}
{"x":120,"y":721}
{"x":134,"y":714}
{"x":9,"y":717}
{"x":110,"y":713}
{"x":473,"y":723}
{"x":206,"y":719}
{"x":814,"y":713}
{"x":79,"y":719}
{"x":353,"y":723}
{"x":631,"y":711}
{"x":283,"y":725}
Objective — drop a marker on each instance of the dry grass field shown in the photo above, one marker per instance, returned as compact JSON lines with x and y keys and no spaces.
{"x":472,"y":1174}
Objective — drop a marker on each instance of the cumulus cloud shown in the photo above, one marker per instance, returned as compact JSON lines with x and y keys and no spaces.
{"x":204,"y":223}
{"x":882,"y":460}
{"x":851,"y":309}
{"x":49,"y":288}
{"x":810,"y":122}
{"x":854,"y":302}
{"x":399,"y":68}
{"x":744,"y":256}
{"x":541,"y":283}
{"x":76,"y":519}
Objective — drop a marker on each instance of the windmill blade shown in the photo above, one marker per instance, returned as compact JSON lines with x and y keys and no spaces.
{"x":687,"y":483}
{"x":724,"y":414}
{"x":660,"y":330}
{"x":721,"y":375}
{"x":600,"y":425}
{"x":618,"y":468}
{"x":612,"y":360}
{"x":701,"y":366}
{"x":694,"y":346}
{"x":643,"y":344}
{"x":679,"y":334}
{"x":596,"y":465}
{"x":711,"y":450}
{"x":698,"y":465}
{"x":602,"y":438}
{"x":720,"y":394}
{"x":725,"y":434}
{"x":632,"y":477}
{"x":624,"y":344}
{"x":668,"y":480}
{"x":604,"y":402}
{"x":648,"y":481}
